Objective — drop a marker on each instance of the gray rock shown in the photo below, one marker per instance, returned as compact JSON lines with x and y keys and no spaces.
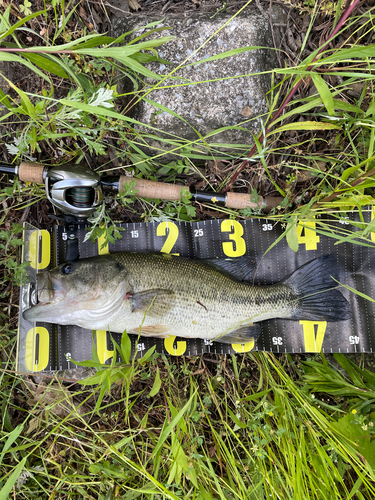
{"x":209,"y":105}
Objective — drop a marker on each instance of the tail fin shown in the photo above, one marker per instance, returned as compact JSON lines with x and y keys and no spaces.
{"x":314,"y":286}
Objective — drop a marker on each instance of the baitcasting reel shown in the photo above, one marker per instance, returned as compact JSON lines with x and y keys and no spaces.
{"x":73,"y":189}
{"x":76,"y":191}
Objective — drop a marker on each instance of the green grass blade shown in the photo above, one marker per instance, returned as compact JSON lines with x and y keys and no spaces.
{"x":46,"y":62}
{"x":305,"y":126}
{"x":20,"y":23}
{"x":7,"y":488}
{"x":324,"y":93}
{"x":4,"y":56}
{"x":168,"y":430}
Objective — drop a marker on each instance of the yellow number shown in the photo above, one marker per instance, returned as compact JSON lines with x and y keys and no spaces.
{"x":36,"y":361}
{"x":103,"y":250}
{"x":40,"y":249}
{"x":372,"y":216}
{"x":101,"y":346}
{"x":161,"y":230}
{"x":169,"y":344}
{"x":237,"y":246}
{"x":249,"y":346}
{"x":310,"y":238}
{"x":313,"y":339}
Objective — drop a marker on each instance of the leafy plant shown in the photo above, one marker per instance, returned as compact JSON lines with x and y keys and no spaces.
{"x":15,"y":271}
{"x":118,"y":371}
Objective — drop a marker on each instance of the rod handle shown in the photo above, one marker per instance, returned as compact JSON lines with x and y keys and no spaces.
{"x":31,"y":172}
{"x":152,"y":189}
{"x":243,"y":200}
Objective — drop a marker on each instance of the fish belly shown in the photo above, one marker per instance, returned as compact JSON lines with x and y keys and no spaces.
{"x":186,"y":318}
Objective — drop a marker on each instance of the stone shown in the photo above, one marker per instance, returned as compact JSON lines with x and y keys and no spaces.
{"x":219,"y":100}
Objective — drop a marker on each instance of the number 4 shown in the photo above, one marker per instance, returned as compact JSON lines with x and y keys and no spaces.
{"x":307,"y":235}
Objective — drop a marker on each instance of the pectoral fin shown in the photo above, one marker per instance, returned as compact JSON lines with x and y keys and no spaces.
{"x":155,"y":303}
{"x":242,"y":335}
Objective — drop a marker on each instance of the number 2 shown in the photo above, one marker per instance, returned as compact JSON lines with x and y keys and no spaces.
{"x":172,"y":235}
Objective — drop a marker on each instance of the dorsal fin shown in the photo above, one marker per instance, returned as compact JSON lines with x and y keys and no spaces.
{"x":241,"y":268}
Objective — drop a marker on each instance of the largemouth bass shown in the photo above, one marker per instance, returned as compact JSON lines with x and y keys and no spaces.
{"x":159,"y":295}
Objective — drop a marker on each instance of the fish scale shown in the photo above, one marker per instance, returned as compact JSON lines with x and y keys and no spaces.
{"x":215,"y":302}
{"x":160,"y":295}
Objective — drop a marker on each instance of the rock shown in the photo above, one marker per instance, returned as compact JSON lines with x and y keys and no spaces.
{"x":209,"y":105}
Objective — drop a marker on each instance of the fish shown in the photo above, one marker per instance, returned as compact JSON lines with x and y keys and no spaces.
{"x":161,"y":295}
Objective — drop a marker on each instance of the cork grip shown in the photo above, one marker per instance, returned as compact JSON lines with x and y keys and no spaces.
{"x":31,"y":172}
{"x":242,"y":200}
{"x":151,"y":189}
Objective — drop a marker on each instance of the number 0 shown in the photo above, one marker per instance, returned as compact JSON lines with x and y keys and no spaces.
{"x":40,"y":249}
{"x":37,"y":353}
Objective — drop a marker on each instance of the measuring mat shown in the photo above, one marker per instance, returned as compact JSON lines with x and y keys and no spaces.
{"x":47,"y":347}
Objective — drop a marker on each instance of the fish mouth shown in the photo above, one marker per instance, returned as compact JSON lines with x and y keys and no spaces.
{"x":50,"y":292}
{"x":45,"y":290}
{"x":50,"y":289}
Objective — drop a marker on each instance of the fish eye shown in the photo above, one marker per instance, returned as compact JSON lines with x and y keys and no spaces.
{"x":67,"y":269}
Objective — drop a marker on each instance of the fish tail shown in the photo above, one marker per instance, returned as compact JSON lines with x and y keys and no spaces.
{"x":314,"y":284}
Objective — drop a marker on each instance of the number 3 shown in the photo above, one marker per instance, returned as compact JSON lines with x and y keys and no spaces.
{"x":237,"y":246}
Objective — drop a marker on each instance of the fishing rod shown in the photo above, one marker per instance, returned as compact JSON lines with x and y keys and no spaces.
{"x":78,"y":191}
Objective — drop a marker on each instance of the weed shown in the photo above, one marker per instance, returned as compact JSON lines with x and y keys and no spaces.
{"x":15,"y":271}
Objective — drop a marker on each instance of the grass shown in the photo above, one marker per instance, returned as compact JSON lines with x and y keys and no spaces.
{"x":250,"y":427}
{"x":253,"y":426}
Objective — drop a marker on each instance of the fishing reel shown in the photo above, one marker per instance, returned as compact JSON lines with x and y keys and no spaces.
{"x":76,"y":192}
{"x":73,"y":189}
